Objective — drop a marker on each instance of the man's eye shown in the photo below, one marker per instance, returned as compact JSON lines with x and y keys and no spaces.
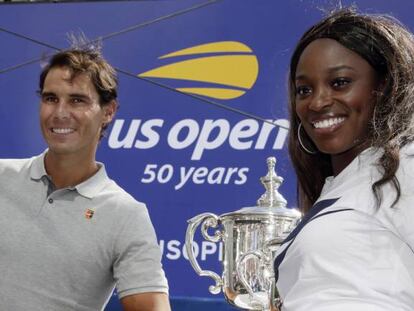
{"x":340,"y":82}
{"x":50,"y":99}
{"x":303,"y":90}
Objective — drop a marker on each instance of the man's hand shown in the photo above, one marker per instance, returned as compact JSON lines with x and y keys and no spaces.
{"x":146,"y":302}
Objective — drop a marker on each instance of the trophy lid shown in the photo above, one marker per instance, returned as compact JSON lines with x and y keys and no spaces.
{"x":271,"y":202}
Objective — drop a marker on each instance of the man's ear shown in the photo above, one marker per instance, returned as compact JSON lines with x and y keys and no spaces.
{"x":110,"y":111}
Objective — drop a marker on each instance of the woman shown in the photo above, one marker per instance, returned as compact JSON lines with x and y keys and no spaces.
{"x":352,"y":127}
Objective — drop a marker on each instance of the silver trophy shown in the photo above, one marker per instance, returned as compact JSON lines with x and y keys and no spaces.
{"x":250,"y":238}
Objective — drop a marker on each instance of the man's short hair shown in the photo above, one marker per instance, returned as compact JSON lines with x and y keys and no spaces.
{"x":91,"y":62}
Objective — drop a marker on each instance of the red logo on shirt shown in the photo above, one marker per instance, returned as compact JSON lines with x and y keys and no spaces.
{"x":89,"y":213}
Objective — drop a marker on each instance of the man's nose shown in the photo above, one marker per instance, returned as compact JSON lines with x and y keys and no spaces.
{"x":62,"y":109}
{"x":321,"y":98}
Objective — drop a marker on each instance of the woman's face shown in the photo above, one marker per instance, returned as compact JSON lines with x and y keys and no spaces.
{"x":335,"y":97}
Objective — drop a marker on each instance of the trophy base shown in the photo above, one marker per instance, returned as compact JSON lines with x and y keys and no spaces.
{"x":260,"y":301}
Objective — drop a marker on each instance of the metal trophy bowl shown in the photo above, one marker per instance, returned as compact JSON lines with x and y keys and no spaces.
{"x":250,"y":238}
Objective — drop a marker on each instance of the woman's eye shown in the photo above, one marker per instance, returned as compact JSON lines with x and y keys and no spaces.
{"x":340,"y":82}
{"x":303,"y":90}
{"x":77,"y":101}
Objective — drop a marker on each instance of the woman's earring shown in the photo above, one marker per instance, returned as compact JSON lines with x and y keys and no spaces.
{"x":307,"y":150}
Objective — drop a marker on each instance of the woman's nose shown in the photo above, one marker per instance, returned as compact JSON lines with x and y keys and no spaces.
{"x":321,"y":98}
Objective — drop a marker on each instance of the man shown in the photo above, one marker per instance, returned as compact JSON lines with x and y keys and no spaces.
{"x":69,"y":234}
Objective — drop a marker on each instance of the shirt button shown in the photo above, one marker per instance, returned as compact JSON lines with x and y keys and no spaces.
{"x":50,"y":200}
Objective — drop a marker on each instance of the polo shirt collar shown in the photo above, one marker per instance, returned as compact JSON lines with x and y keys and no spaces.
{"x":37,"y":167}
{"x":88,"y":188}
{"x":94,"y":184}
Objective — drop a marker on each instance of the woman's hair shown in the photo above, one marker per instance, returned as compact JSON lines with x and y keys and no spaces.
{"x":389,"y":48}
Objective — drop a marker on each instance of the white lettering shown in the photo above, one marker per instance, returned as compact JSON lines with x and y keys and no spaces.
{"x":243,"y":129}
{"x":220,"y":254}
{"x":281,"y":127}
{"x":199,"y":175}
{"x":175,"y":250}
{"x":212,"y":134}
{"x":150,"y":173}
{"x":204,"y":141}
{"x":216,"y":175}
{"x":165,"y":173}
{"x":281,"y":134}
{"x":242,"y":174}
{"x":193,"y":130}
{"x":184,"y":177}
{"x":161,"y":245}
{"x":195,"y":250}
{"x":230,"y":172}
{"x":148,"y":132}
{"x":207,"y":248}
{"x":128,"y":140}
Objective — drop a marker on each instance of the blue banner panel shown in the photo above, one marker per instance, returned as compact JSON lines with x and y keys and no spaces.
{"x":203,"y":102}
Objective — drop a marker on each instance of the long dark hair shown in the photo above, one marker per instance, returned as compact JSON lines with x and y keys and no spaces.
{"x":389,"y":48}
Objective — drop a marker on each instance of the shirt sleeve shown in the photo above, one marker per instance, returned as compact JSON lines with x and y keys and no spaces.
{"x":404,"y":214}
{"x":402,"y":219}
{"x":399,"y":218}
{"x":137,"y":267}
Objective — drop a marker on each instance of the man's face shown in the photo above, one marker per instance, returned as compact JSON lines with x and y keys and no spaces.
{"x":70,"y":115}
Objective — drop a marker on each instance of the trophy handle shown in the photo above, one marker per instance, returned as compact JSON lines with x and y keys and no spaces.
{"x":208,"y":220}
{"x":262,"y":258}
{"x":276,"y":301}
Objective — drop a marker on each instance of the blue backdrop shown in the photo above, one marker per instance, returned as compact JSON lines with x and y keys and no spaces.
{"x":174,"y":145}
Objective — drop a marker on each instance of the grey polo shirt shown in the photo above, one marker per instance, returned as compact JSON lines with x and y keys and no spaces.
{"x":66,"y":250}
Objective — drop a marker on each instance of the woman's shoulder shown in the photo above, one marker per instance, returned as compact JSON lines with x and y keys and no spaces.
{"x":407,"y":156}
{"x":407,"y":150}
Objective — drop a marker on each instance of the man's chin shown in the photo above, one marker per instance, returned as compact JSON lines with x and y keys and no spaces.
{"x":60,"y":149}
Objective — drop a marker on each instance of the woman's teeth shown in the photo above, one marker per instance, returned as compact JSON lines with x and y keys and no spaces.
{"x":328,"y":122}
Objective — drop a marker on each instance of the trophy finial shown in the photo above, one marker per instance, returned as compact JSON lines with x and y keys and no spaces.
{"x":271,"y":182}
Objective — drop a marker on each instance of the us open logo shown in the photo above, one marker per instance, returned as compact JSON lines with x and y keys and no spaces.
{"x":220,"y":70}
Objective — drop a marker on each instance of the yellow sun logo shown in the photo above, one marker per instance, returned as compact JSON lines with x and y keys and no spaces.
{"x":228,"y":74}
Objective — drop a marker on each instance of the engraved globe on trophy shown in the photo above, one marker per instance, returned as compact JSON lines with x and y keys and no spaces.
{"x":250,"y":238}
